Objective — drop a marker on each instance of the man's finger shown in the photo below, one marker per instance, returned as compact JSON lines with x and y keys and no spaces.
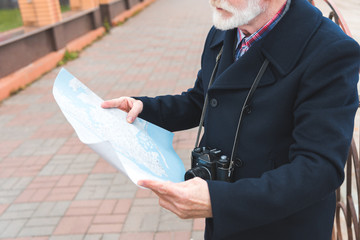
{"x":158,"y":187}
{"x":151,"y":184}
{"x":135,"y":110}
{"x":114,"y":103}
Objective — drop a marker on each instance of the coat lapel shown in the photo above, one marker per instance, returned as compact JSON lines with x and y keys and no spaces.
{"x":282,"y":47}
{"x":285,"y":44}
{"x":241,"y":73}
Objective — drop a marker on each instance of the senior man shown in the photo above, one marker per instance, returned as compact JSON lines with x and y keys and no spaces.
{"x":295,"y":73}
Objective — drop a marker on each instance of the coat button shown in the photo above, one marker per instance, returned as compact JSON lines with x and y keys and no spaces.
{"x":248,"y":109}
{"x":213,"y":102}
{"x":238,"y":163}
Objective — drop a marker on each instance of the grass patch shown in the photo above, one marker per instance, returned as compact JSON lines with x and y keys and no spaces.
{"x":106,"y":25}
{"x":10,"y":19}
{"x":16,"y":91}
{"x":65,"y":8}
{"x":68,"y":56}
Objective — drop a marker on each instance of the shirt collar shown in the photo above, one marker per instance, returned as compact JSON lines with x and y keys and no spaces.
{"x":248,"y":41}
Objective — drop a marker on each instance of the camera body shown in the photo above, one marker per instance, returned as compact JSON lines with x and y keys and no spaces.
{"x":209,"y":164}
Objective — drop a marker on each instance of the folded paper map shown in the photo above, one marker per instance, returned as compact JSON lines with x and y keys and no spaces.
{"x":140,"y":150}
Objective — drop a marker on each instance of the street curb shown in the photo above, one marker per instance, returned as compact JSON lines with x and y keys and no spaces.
{"x":131,"y":12}
{"x":19,"y":79}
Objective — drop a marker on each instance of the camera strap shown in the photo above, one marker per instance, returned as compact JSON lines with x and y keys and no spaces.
{"x":207,"y":97}
{"x":246,"y":107}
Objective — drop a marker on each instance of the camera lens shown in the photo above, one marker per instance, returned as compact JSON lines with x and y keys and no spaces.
{"x":200,"y":172}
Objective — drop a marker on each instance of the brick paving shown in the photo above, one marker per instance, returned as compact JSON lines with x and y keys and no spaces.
{"x":54,"y":187}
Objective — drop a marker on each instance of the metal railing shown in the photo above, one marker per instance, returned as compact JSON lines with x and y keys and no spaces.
{"x":346,"y":222}
{"x":346,"y":205}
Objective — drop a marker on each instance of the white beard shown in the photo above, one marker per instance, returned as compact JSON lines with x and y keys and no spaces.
{"x":239,"y":16}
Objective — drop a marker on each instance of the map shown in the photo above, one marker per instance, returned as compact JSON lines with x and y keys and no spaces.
{"x":140,"y":150}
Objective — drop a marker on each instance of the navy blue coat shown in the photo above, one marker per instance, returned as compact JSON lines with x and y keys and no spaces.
{"x":294,"y":142}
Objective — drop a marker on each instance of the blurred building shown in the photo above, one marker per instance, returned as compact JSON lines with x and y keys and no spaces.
{"x":8,"y":4}
{"x":14,"y":3}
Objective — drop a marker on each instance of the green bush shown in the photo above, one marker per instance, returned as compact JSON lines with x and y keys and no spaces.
{"x":65,"y":8}
{"x":10,"y":19}
{"x":68,"y":56}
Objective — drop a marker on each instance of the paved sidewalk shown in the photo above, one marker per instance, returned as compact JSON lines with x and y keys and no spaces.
{"x":54,"y":187}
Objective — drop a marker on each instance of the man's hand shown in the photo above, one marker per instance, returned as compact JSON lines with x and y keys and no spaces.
{"x":189,"y":199}
{"x":130,"y":105}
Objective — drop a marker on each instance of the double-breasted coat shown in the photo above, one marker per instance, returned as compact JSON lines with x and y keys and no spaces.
{"x":294,"y":142}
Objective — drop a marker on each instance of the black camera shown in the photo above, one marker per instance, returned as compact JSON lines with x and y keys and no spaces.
{"x":209,"y":164}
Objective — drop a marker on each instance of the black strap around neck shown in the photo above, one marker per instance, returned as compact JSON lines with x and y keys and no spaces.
{"x":245,"y":106}
{"x":207,"y":97}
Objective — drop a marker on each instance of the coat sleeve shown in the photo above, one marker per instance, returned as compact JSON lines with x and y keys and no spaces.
{"x":178,"y":112}
{"x":175,"y":112}
{"x":324,"y":116}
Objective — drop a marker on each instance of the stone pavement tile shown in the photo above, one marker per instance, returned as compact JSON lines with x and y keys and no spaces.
{"x":93,"y":237}
{"x":37,"y":147}
{"x":58,"y":117}
{"x":95,"y":187}
{"x":20,"y":211}
{"x":99,"y":207}
{"x":83,"y":163}
{"x":10,"y":188}
{"x":135,"y":235}
{"x":27,"y":238}
{"x":5,"y":118}
{"x":199,"y":224}
{"x":144,"y":216}
{"x":51,"y":209}
{"x":170,"y":222}
{"x":36,"y":119}
{"x":74,"y":146}
{"x":111,"y":237}
{"x":15,"y":219}
{"x":69,"y":164}
{"x":3,"y":207}
{"x":123,"y":206}
{"x":106,"y":236}
{"x":39,"y":227}
{"x":11,"y":228}
{"x":120,"y":191}
{"x":71,"y":225}
{"x":105,"y":227}
{"x":21,"y":99}
{"x":109,"y":215}
{"x":103,"y":166}
{"x":17,"y":133}
{"x":98,"y":216}
{"x":172,"y":235}
{"x":84,"y":208}
{"x":27,"y":166}
{"x":145,"y":193}
{"x":141,"y":222}
{"x":197,"y":235}
{"x":7,"y":147}
{"x":68,"y":237}
{"x":12,"y":109}
{"x":53,"y":130}
{"x":107,"y":186}
{"x":52,"y":188}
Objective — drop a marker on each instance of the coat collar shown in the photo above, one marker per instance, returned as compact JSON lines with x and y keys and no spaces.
{"x":282,"y":46}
